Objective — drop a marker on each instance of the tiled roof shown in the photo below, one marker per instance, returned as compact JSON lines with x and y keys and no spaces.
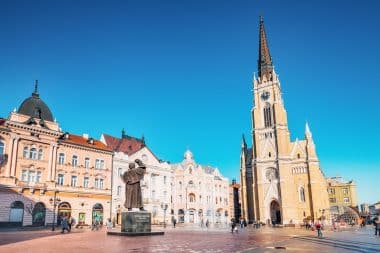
{"x":127,"y":144}
{"x":86,"y":142}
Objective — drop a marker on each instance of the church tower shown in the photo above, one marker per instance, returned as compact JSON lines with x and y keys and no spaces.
{"x":287,"y":183}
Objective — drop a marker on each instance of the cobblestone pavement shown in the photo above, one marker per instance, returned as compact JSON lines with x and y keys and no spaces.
{"x":192,"y":240}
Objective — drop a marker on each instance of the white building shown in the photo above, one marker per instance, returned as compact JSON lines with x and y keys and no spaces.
{"x":199,"y":193}
{"x":156,"y":185}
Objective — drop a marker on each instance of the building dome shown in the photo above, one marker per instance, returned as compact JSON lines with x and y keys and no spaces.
{"x":34,"y":107}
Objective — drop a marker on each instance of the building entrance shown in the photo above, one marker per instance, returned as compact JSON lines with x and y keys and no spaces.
{"x":275,"y":212}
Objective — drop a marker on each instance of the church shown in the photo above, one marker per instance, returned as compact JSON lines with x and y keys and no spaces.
{"x":281,"y":179}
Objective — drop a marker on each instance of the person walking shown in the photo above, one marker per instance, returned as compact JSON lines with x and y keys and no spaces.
{"x":65,"y":225}
{"x":376,"y":223}
{"x":318,"y":227}
{"x":207,"y":223}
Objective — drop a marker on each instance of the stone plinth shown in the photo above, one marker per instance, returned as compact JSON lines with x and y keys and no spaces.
{"x":136,"y":222}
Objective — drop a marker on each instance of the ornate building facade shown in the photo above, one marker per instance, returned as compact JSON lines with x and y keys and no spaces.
{"x":46,"y":173}
{"x":199,"y":193}
{"x":341,"y":192}
{"x":281,"y":179}
{"x":156,"y":185}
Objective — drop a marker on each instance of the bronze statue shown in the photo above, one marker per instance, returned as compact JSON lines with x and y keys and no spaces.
{"x":132,"y":177}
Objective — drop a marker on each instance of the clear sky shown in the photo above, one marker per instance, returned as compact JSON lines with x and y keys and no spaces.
{"x":180,"y":72}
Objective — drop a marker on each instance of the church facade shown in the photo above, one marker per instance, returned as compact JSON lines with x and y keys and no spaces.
{"x":281,"y":180}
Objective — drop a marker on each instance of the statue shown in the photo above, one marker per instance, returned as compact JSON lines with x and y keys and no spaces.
{"x":132,"y":177}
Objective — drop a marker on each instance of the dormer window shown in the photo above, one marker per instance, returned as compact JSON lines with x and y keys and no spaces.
{"x":91,"y":141}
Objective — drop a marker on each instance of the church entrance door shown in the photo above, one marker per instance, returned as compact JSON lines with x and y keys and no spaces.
{"x":275,"y":213}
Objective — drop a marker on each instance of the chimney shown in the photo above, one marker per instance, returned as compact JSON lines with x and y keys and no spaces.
{"x":85,"y":136}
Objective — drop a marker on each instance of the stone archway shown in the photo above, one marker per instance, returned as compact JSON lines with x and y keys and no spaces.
{"x":275,"y":212}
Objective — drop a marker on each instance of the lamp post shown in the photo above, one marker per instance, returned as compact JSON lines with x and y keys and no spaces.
{"x":54,"y":202}
{"x":164,"y":206}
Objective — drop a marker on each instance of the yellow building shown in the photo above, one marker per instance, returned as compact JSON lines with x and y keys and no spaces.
{"x":46,"y":174}
{"x":282,"y":182}
{"x":341,"y":192}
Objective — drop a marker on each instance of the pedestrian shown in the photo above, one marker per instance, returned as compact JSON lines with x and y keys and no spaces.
{"x":202,"y":223}
{"x":95,"y":225}
{"x":65,"y":225}
{"x":376,"y":223}
{"x":207,"y":223}
{"x":71,"y":222}
{"x":318,"y":227}
{"x":241,"y":222}
{"x":109,"y":224}
{"x":174,"y":222}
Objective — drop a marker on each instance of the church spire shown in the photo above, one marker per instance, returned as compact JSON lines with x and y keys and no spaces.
{"x":265,"y":65}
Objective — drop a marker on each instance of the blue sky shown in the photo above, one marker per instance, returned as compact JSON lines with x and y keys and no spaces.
{"x":179,"y":73}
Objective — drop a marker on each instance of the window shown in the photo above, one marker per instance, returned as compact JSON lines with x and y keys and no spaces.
{"x":267,"y":116}
{"x":60,"y":179}
{"x":165,"y":195}
{"x":74,"y":161}
{"x":87,"y":162}
{"x":191,"y":198}
{"x":118,"y":190}
{"x":120,"y":171}
{"x":302,"y":194}
{"x":38,"y":178}
{"x":32,"y":176}
{"x":153,"y":179}
{"x":73,"y":181}
{"x":33,"y":153}
{"x":333,"y":200}
{"x":345,"y":191}
{"x":153,"y":194}
{"x":25,"y":152}
{"x":85,"y":182}
{"x":164,"y":179}
{"x":99,"y":164}
{"x":99,"y":183}
{"x":61,"y":158}
{"x":24,"y":175}
{"x":331,"y":190}
{"x":1,"y":148}
{"x":346,"y":200}
{"x":40,"y":154}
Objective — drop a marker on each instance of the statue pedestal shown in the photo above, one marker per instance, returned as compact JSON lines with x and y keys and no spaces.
{"x":135,"y":224}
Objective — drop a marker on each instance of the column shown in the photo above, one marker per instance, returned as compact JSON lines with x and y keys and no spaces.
{"x":54,"y":163}
{"x":10,"y":154}
{"x":50,"y":162}
{"x":14,"y":156}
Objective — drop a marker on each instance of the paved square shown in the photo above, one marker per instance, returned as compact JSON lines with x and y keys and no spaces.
{"x":192,"y":240}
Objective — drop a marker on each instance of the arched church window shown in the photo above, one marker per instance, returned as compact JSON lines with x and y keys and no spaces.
{"x":267,"y":115}
{"x":302,"y":194}
{"x":269,"y":154}
{"x":298,"y":156}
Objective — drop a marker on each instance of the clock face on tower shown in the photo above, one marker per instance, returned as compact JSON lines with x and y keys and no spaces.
{"x":265,"y":95}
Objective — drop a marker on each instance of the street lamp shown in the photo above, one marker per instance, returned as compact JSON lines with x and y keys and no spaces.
{"x":164,"y":206}
{"x":54,"y":202}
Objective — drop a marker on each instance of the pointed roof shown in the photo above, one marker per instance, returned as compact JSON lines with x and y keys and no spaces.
{"x":265,"y":64}
{"x":243,"y":143}
{"x":307,"y":130}
{"x":126,"y":144}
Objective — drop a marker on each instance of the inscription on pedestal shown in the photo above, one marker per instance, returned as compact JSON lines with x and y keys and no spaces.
{"x":136,"y":222}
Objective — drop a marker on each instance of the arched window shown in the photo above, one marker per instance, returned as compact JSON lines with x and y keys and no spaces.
{"x":120,"y":171}
{"x":40,"y":154}
{"x":33,"y":153}
{"x":61,"y":158}
{"x":267,"y":116}
{"x":302,"y":194}
{"x":1,"y":148}
{"x":74,"y":161}
{"x":25,"y":154}
{"x":191,"y":198}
